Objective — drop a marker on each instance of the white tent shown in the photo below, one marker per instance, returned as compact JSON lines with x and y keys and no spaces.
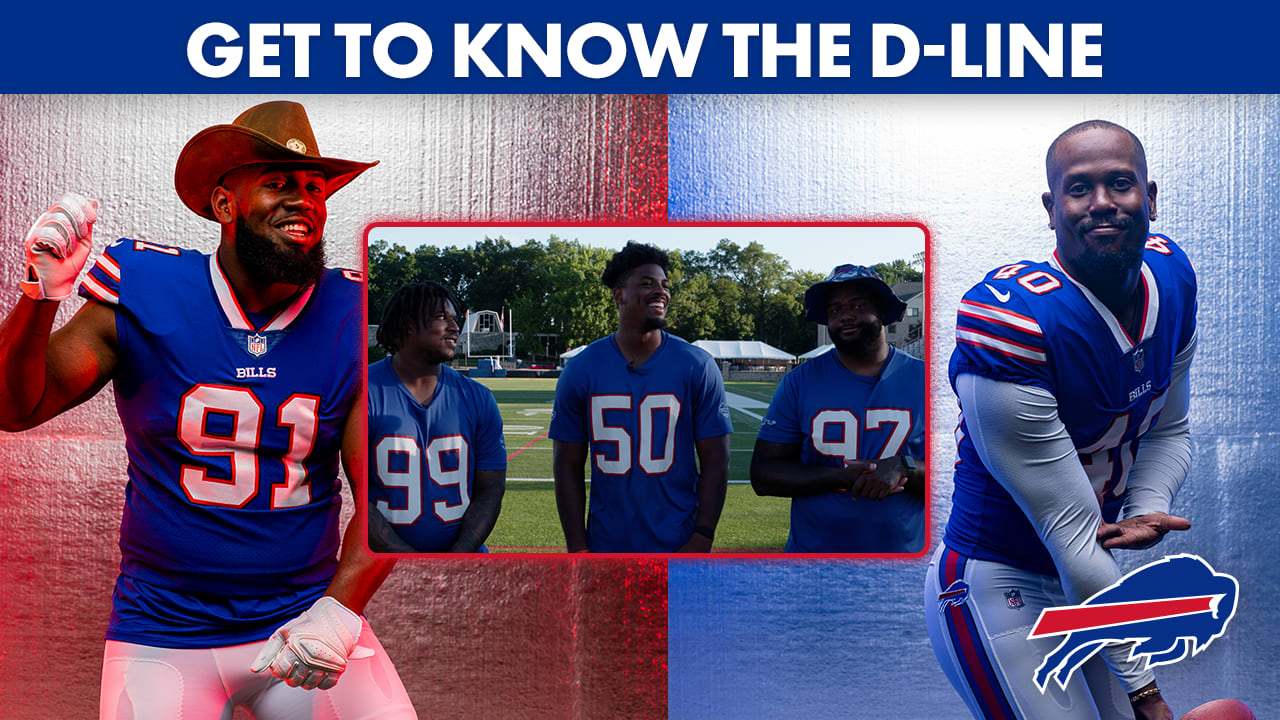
{"x":743,"y":350}
{"x":816,"y":351}
{"x":572,"y":352}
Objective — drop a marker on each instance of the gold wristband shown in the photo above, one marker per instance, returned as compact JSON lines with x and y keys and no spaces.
{"x":1135,"y":697}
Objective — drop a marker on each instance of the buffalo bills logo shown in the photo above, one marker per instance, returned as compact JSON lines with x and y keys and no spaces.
{"x":955,"y":594}
{"x":1014,"y":599}
{"x":257,"y":345}
{"x":1170,"y":608}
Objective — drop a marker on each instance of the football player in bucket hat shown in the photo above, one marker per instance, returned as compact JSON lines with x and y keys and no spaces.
{"x":844,"y":433}
{"x":815,"y":298}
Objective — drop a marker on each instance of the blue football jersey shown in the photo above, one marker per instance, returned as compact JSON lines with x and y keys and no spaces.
{"x":641,"y":424}
{"x":422,"y":460}
{"x":1032,"y":324}
{"x":836,"y":415}
{"x":233,"y":427}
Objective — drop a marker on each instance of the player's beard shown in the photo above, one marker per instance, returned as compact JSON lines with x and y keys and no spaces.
{"x":439,"y":355}
{"x":268,"y":263}
{"x":654,"y":323}
{"x":864,"y":343}
{"x":1113,"y":262}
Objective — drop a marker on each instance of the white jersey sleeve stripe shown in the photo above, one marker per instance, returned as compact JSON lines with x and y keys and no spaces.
{"x":1001,"y":317}
{"x":99,"y":291}
{"x":1005,"y":347}
{"x":109,"y":267}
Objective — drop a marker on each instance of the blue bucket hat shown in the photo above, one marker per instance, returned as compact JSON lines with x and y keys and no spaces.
{"x":815,"y":298}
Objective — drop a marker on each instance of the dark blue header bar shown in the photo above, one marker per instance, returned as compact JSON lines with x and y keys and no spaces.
{"x":739,"y":47}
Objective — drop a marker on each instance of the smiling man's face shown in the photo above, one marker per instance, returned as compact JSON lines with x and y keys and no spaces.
{"x":643,"y":298}
{"x":434,"y":339}
{"x":280,"y":214}
{"x":1099,"y":201}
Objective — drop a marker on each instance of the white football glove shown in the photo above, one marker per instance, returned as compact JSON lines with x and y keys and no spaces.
{"x":57,"y":246}
{"x":311,"y":650}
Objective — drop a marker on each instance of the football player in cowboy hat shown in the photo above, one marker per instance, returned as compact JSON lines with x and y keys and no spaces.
{"x":238,"y":383}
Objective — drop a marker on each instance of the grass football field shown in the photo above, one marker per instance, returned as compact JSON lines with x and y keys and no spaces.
{"x":528,"y":522}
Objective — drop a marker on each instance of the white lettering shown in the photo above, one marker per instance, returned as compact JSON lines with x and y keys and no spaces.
{"x":741,"y":34}
{"x":301,"y":34}
{"x":959,"y":54}
{"x":352,"y":32}
{"x":1082,"y":49}
{"x":1022,"y":42}
{"x":772,"y":50}
{"x":667,"y":43}
{"x":382,"y":50}
{"x":245,"y":373}
{"x":829,"y":50}
{"x":880,"y":65}
{"x":617,"y":50}
{"x":260,"y":50}
{"x":230,"y":56}
{"x":467,"y":51}
{"x":520,"y":43}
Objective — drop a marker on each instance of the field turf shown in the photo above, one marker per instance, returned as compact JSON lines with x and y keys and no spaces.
{"x":528,"y":522}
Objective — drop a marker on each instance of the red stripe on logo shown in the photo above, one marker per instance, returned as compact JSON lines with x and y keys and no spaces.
{"x":1059,"y":621}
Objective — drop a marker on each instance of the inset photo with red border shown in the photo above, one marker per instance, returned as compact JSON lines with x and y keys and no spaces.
{"x":741,"y":389}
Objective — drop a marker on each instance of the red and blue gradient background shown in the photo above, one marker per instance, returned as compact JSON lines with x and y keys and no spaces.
{"x":587,"y":638}
{"x":834,"y":639}
{"x":491,"y":637}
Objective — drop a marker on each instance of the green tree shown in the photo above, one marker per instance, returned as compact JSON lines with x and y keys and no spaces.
{"x":690,"y":316}
{"x":390,"y":266}
{"x":580,"y":308}
{"x":726,"y":308}
{"x":898,"y":271}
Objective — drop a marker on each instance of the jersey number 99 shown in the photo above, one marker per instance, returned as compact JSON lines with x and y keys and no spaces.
{"x":410,"y":477}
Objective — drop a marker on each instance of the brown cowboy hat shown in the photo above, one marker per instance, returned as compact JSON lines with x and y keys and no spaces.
{"x":268,"y":133}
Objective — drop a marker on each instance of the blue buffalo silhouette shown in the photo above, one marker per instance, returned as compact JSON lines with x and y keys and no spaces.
{"x":1163,"y":641}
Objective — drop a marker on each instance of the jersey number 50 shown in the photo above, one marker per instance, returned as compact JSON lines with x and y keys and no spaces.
{"x":410,"y":478}
{"x":650,"y":461}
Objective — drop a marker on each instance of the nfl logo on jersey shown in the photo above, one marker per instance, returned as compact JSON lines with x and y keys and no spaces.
{"x":1139,"y":361}
{"x":257,"y":345}
{"x":1014,"y":598}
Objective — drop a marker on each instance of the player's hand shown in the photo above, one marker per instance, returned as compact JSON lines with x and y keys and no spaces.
{"x":311,"y":650}
{"x":880,"y":479}
{"x":57,"y":246}
{"x":853,"y":471}
{"x":1143,"y":531}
